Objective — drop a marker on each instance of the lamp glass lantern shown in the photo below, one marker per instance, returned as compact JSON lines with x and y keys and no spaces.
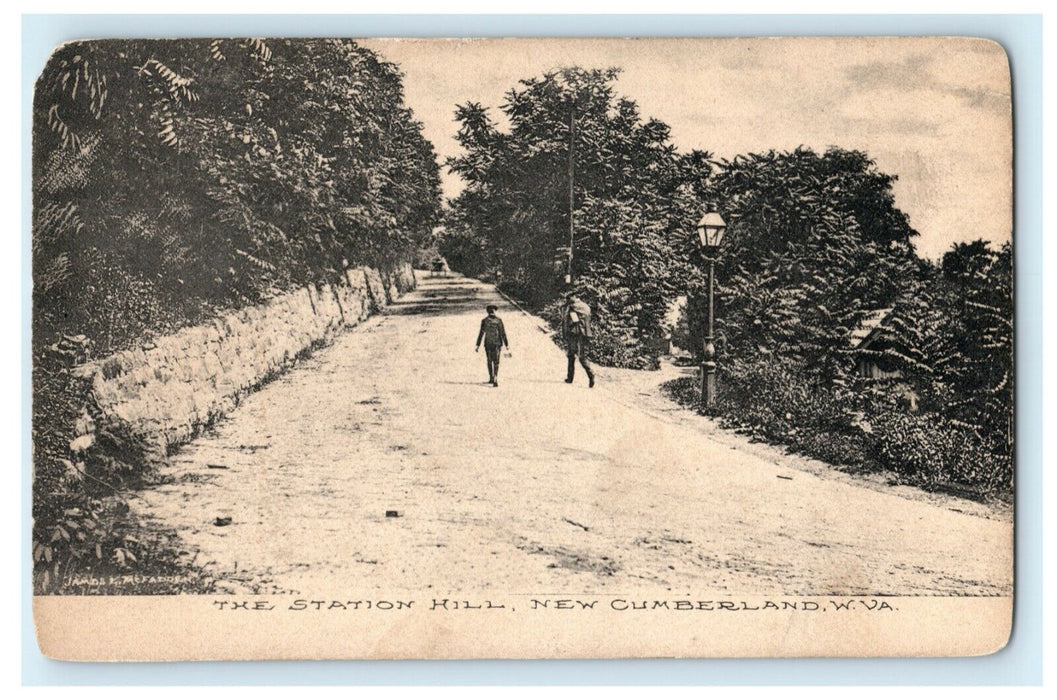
{"x":710,"y":230}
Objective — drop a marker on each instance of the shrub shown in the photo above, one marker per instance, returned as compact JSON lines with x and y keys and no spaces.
{"x":859,"y":425}
{"x":79,"y":509}
{"x":931,"y":451}
{"x":774,"y":395}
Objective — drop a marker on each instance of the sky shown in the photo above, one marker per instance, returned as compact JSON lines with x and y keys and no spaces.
{"x":933,"y":111}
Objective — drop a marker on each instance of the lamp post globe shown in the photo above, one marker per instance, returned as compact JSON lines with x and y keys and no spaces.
{"x":710,"y":231}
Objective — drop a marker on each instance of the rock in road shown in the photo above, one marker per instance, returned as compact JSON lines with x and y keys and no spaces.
{"x":386,"y":463}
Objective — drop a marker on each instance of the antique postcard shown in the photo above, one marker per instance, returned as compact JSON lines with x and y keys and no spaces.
{"x":522,"y":348}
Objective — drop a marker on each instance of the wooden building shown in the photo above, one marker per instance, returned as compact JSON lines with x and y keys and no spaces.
{"x":868,"y":344}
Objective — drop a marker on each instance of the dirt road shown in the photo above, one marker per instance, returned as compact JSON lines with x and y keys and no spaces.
{"x":536,"y":486}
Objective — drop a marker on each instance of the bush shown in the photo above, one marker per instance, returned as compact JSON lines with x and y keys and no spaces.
{"x":859,"y":425}
{"x":774,"y":396}
{"x":930,"y":451}
{"x":79,"y":512}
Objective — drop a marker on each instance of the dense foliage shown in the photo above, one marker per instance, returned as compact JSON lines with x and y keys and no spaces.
{"x":815,"y":248}
{"x":174,"y":178}
{"x":513,"y":214}
{"x":860,"y":426}
{"x":176,"y":174}
{"x":953,"y":340}
{"x":814,"y":241}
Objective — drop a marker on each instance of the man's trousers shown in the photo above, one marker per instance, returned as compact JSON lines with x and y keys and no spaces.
{"x":577,"y":346}
{"x":492,"y":352}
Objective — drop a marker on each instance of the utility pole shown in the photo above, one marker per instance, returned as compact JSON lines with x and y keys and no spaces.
{"x":572,"y":146}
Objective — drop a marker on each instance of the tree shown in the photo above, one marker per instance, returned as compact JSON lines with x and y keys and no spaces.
{"x":979,"y":341}
{"x":814,"y":242}
{"x":177,"y":176}
{"x":516,"y":203}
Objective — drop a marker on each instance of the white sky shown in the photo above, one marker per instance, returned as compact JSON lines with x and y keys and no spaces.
{"x":934,"y":111}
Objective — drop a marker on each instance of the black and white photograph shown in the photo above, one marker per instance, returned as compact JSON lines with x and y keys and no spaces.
{"x":522,"y":348}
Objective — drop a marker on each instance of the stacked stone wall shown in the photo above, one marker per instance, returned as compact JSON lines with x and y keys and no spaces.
{"x":169,"y":389}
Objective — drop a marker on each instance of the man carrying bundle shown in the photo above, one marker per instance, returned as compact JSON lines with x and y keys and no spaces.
{"x":576,"y":332}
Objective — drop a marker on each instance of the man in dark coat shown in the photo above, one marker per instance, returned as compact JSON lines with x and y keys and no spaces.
{"x":494,"y":336}
{"x":577,"y":334}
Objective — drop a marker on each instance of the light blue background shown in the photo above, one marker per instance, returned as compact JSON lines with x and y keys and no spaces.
{"x":1019,"y":663}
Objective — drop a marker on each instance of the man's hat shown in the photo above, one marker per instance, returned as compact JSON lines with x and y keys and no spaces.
{"x":491,"y":307}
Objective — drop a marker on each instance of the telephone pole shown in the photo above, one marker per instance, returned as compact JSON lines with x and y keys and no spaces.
{"x":572,"y":146}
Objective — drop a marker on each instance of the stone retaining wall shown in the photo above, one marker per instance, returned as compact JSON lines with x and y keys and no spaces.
{"x":169,"y":389}
{"x":404,"y":279}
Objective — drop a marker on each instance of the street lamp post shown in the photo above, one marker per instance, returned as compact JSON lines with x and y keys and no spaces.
{"x":710,"y":230}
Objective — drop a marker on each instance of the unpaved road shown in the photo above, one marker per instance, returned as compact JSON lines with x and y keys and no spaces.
{"x":532,"y":487}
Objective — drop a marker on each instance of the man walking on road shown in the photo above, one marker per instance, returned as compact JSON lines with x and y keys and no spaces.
{"x":494,"y":336}
{"x":576,"y":331}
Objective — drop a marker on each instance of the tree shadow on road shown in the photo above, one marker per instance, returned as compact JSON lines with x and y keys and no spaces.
{"x":450,"y":304}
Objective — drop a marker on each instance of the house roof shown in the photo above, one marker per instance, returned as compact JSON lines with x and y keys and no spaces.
{"x":872,"y":323}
